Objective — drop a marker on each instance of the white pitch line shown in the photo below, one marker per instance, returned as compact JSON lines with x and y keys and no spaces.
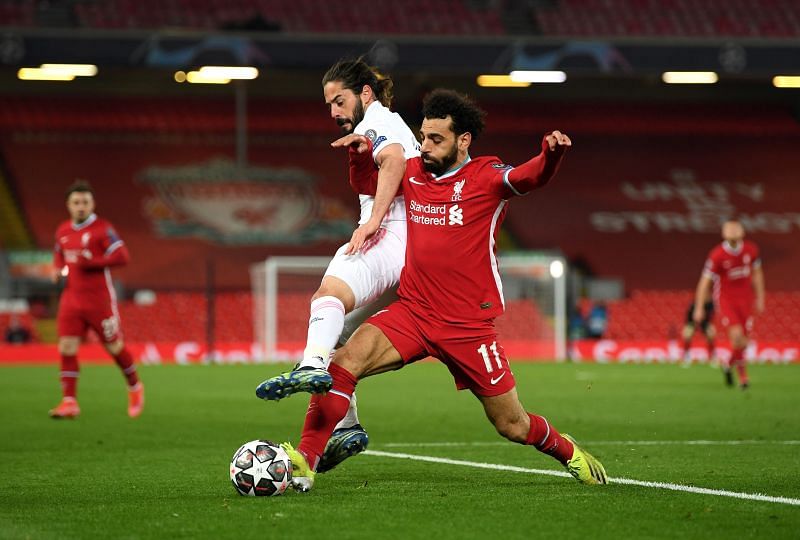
{"x":600,"y":443}
{"x":626,"y":481}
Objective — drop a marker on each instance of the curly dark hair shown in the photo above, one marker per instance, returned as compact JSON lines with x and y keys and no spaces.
{"x":355,"y":73}
{"x":467,"y":116}
{"x":79,"y":186}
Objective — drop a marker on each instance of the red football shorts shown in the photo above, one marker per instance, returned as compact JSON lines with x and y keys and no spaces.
{"x":75,"y":318}
{"x":469,"y":350}
{"x":736,"y":312}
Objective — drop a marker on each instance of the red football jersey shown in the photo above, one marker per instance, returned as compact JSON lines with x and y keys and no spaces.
{"x":732,"y":270}
{"x":94,"y":239}
{"x":451,"y":267}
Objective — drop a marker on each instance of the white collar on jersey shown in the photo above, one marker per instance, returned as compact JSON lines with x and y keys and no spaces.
{"x":730,"y":250}
{"x":454,"y":170}
{"x":374,"y":107}
{"x":85,"y":223}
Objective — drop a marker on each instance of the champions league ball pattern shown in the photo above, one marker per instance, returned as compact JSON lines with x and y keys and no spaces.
{"x":260,"y":469}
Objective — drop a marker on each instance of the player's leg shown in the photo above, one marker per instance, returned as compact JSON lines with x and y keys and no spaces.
{"x":105,"y":321}
{"x":687,"y":335}
{"x":68,"y":350}
{"x":478,"y":362}
{"x":511,"y":420}
{"x":710,"y":333}
{"x":349,"y":437}
{"x":123,"y":358}
{"x":368,"y":352}
{"x":738,"y":341}
{"x":71,"y":328}
{"x":728,"y":319}
{"x":329,"y":305}
{"x":350,"y":282}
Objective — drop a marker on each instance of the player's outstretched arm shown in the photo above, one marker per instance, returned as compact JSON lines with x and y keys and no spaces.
{"x":391,"y":163}
{"x":118,"y":257}
{"x":357,"y":142}
{"x":58,"y":264}
{"x":700,"y":295}
{"x":539,"y":170}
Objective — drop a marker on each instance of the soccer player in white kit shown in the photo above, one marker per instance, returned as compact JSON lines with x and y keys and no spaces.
{"x":363,"y":274}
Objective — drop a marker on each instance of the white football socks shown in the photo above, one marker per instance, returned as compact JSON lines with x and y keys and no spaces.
{"x":351,"y":418}
{"x":324,"y":327}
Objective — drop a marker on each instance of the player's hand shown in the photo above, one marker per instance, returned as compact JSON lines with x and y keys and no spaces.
{"x":360,"y":236}
{"x":556,"y":139}
{"x":759,"y":306}
{"x":358,"y":142}
{"x":699,"y":314}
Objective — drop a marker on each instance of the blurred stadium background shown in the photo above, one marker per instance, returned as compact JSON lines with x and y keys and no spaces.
{"x":205,"y":180}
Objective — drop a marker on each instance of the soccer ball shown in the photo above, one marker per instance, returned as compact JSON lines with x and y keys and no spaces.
{"x":260,"y":469}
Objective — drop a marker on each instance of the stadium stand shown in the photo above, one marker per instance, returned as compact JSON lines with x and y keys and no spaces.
{"x":293,"y":16}
{"x":660,"y":314}
{"x":17,"y":12}
{"x":25,"y":319}
{"x":178,"y":316}
{"x":710,"y":18}
{"x":111,"y":141}
{"x":645,"y":315}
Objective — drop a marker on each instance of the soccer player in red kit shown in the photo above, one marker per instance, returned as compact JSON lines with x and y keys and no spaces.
{"x":450,"y":290}
{"x":734,"y":267}
{"x":86,"y":247}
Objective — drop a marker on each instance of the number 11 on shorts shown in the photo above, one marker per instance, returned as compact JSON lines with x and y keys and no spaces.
{"x":484,"y":352}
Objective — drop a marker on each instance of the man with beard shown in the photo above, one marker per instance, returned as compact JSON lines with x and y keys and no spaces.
{"x":86,"y":248}
{"x":362,"y":277}
{"x":450,"y":290}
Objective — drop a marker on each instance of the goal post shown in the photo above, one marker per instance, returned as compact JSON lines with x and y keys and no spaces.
{"x":533,"y":327}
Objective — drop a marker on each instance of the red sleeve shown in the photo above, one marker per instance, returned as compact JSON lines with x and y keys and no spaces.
{"x":118,"y":257}
{"x":711,"y":268}
{"x":362,"y":167}
{"x":756,"y":256}
{"x":116,"y":254}
{"x":536,"y":172}
{"x":58,"y":256}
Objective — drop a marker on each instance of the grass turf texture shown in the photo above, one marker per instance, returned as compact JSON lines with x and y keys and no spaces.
{"x":165,"y":475}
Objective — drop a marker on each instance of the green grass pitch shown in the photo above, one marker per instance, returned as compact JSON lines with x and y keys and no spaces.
{"x":165,"y":475}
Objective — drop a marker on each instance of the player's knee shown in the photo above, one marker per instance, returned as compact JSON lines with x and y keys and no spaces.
{"x":68,"y":346}
{"x":346,"y":358}
{"x":115,"y":347}
{"x":512,"y":428}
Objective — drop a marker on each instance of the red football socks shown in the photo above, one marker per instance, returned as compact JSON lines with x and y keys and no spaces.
{"x":324,"y":412}
{"x":546,"y":439}
{"x":69,"y":375}
{"x":125,"y":362}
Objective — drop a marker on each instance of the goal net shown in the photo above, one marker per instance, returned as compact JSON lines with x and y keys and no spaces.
{"x":533,"y":327}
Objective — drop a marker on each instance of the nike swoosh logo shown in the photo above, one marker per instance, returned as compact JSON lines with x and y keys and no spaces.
{"x":497,"y":380}
{"x":415,"y":182}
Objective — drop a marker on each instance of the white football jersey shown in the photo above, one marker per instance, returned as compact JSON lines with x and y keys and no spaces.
{"x":384,"y":127}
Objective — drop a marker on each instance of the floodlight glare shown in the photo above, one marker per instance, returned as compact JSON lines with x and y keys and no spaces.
{"x":689,"y":77}
{"x":499,"y":81}
{"x":786,"y":81}
{"x":229,"y":72}
{"x":39,"y":74}
{"x":538,"y":76}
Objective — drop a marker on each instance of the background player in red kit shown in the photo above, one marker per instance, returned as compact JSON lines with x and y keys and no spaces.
{"x":734,"y":267}
{"x":450,"y":289}
{"x":86,"y":247}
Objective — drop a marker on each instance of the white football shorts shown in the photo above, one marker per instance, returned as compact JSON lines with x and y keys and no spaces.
{"x":376,"y":267}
